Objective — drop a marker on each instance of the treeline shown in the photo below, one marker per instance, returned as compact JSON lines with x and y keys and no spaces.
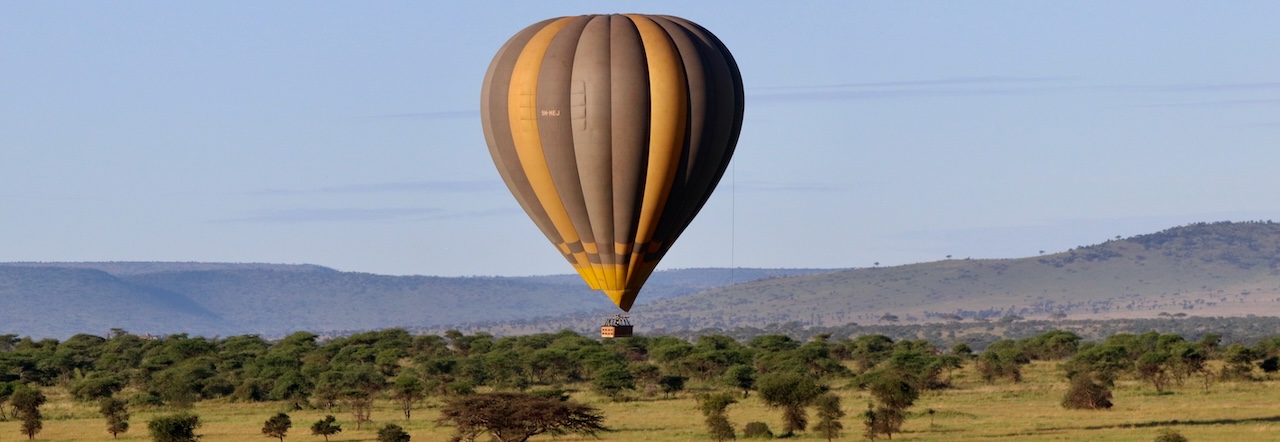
{"x":1161,"y":360}
{"x":352,"y":372}
{"x":978,"y":332}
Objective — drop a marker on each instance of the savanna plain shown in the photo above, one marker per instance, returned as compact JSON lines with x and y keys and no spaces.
{"x":971,"y":409}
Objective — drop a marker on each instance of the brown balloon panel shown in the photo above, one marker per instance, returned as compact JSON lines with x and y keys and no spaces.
{"x":612,"y":131}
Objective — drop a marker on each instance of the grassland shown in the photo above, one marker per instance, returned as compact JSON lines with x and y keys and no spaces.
{"x":971,"y":411}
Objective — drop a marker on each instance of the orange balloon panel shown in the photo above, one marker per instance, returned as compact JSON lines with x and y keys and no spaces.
{"x":612,"y":131}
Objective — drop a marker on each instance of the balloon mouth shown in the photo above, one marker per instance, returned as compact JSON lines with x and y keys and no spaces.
{"x":622,"y":298}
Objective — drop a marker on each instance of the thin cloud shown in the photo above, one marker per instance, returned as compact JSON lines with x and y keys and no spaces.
{"x":1224,"y":103}
{"x":436,"y":186}
{"x":1213,"y":87}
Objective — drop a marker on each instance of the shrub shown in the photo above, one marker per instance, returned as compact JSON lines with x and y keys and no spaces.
{"x":94,"y":388}
{"x":551,"y":393}
{"x":460,"y":388}
{"x":757,"y":430}
{"x":1085,"y":392}
{"x":392,"y":433}
{"x":1167,"y":435}
{"x":145,"y":399}
{"x":612,"y":380}
{"x":179,"y":427}
{"x":1270,"y":365}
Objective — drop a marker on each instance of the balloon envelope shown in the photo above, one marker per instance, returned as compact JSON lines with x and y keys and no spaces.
{"x":612,"y":131}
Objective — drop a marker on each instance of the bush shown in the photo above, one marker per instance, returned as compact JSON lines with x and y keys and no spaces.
{"x":94,"y":388}
{"x":757,"y":430}
{"x":612,"y":380}
{"x":392,"y":433}
{"x":1270,"y":365}
{"x":145,"y":399}
{"x":179,"y":427}
{"x":251,"y":390}
{"x":1167,"y":435}
{"x":460,"y":388}
{"x":551,"y":393}
{"x":1085,"y":392}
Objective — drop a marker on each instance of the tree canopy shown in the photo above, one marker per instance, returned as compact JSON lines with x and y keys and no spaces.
{"x":515,"y":417}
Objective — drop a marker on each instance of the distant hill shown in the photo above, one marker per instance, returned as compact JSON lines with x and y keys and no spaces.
{"x":58,"y":302}
{"x":126,"y":268}
{"x":61,"y":299}
{"x":1218,"y":269}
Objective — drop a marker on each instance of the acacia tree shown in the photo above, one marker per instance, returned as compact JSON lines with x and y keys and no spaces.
{"x":713,"y":407}
{"x":742,"y":377}
{"x":361,"y":404}
{"x":671,"y":384}
{"x":6,"y":390}
{"x":829,"y":414}
{"x":1155,"y":368}
{"x":408,"y":390}
{"x":360,"y":384}
{"x":327,"y":391}
{"x":277,"y":426}
{"x":792,"y":393}
{"x":895,"y":393}
{"x":116,"y":411}
{"x":612,"y":380}
{"x":515,"y":417}
{"x":26,"y":403}
{"x":326,"y":427}
{"x":1002,"y":359}
{"x":870,"y":423}
{"x":1237,"y":362}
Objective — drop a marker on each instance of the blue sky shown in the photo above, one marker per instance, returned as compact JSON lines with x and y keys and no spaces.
{"x":347,"y":134}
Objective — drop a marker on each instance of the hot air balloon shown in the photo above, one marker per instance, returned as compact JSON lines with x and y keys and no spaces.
{"x":612,"y":131}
